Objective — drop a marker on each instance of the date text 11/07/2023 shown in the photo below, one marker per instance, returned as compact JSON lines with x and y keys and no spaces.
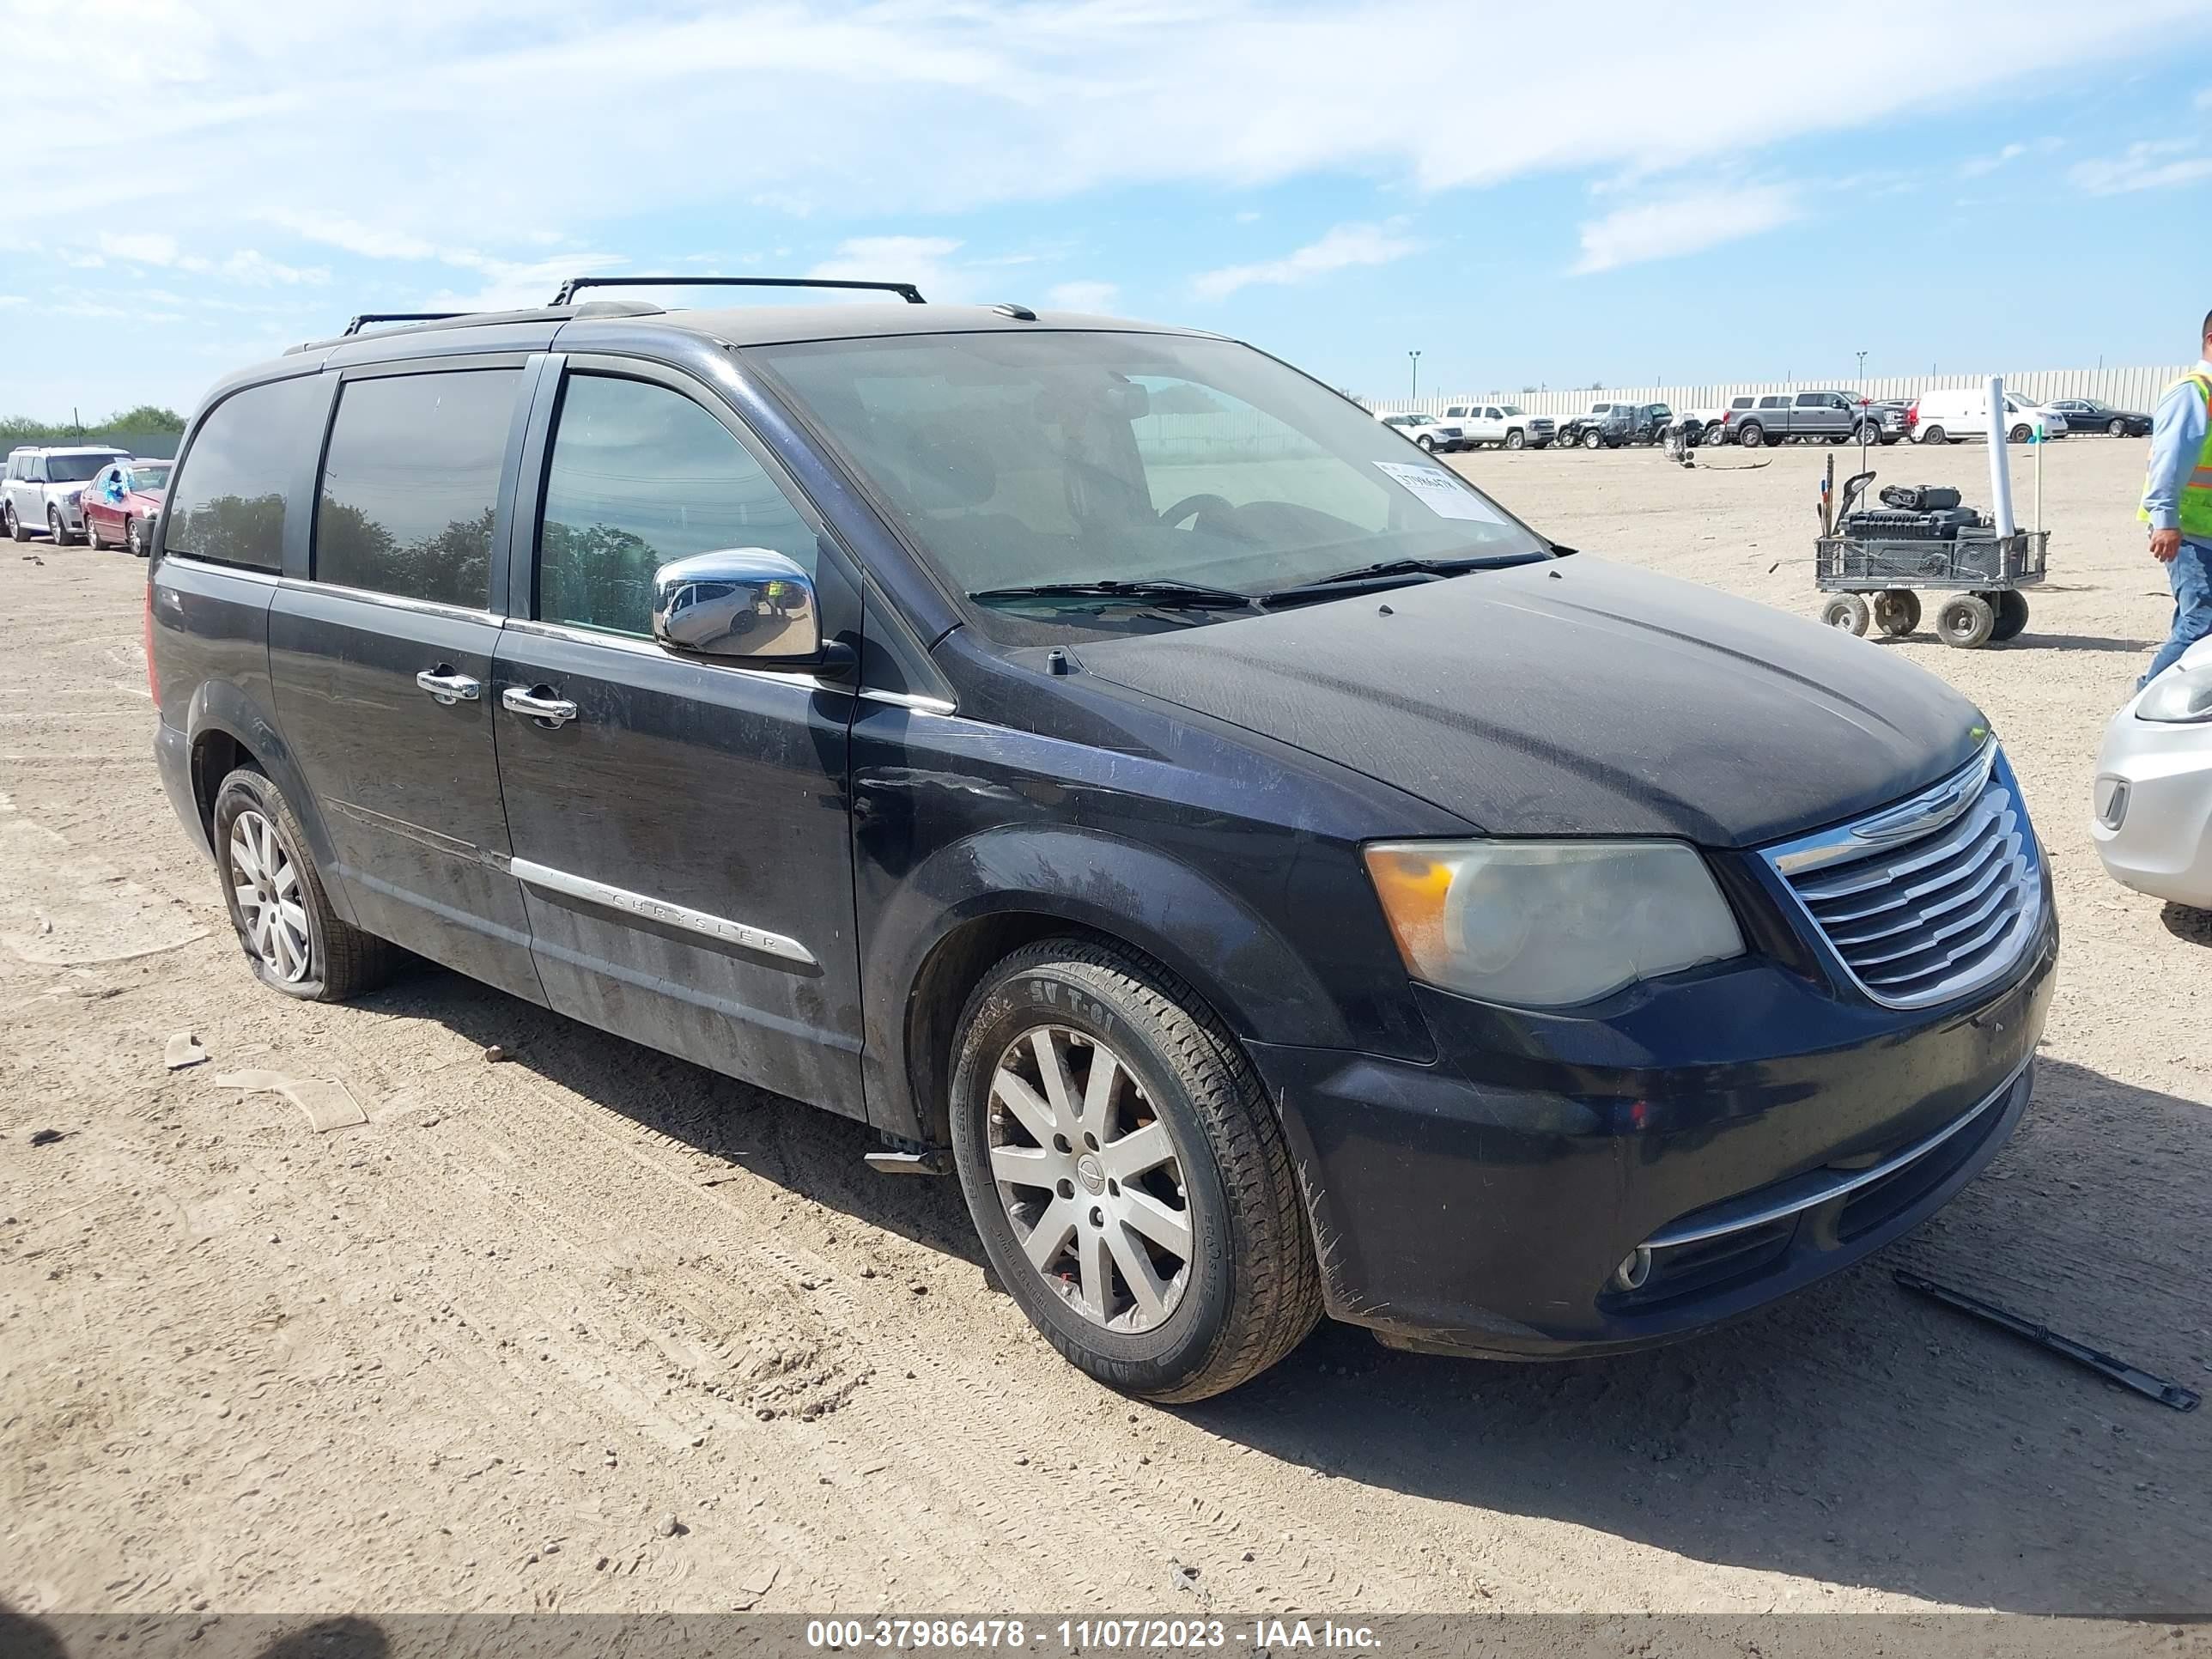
{"x":1260,"y":1635}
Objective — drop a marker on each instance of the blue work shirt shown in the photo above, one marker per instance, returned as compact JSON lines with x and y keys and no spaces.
{"x":2175,"y":442}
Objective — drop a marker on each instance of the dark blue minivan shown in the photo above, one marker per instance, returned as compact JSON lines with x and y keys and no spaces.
{"x":1107,"y":763}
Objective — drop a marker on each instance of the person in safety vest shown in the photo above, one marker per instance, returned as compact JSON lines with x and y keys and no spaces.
{"x":2176,"y":504}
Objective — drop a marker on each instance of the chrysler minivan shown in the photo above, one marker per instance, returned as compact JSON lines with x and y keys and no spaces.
{"x":1276,"y":878}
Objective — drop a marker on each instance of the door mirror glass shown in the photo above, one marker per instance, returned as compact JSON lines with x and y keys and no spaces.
{"x":745,"y":604}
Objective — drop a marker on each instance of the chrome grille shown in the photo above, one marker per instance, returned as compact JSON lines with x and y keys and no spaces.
{"x":1932,"y":899}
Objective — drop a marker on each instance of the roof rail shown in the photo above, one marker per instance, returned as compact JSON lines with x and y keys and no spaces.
{"x":906,"y":291}
{"x":368,"y":317}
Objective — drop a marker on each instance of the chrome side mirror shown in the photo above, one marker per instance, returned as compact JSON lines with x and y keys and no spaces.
{"x":743,"y":603}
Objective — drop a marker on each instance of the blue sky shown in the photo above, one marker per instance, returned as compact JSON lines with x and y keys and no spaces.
{"x":1527,"y":194}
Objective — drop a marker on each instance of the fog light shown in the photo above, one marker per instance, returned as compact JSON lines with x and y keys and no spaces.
{"x":1635,"y":1267}
{"x":2112,"y":802}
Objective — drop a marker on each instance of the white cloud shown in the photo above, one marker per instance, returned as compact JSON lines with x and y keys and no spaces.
{"x":1976,"y":167}
{"x":1083,"y":296}
{"x":502,"y":116}
{"x":14,"y":299}
{"x":2152,"y":165}
{"x":148,"y":249}
{"x":2204,"y":99}
{"x":1344,"y":246}
{"x":1683,"y":223}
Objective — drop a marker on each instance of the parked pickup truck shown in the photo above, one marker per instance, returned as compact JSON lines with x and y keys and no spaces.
{"x":1506,"y":424}
{"x":1835,"y":417}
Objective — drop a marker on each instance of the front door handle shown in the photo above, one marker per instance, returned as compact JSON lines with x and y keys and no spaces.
{"x":448,"y":687}
{"x":539,"y":703}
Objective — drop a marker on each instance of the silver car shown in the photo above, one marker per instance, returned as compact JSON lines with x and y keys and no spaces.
{"x":44,"y":489}
{"x":2153,"y":799}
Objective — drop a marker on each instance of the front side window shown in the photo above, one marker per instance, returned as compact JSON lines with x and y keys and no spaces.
{"x":229,"y":501}
{"x":411,"y":484}
{"x":1013,"y":460}
{"x":640,"y":476}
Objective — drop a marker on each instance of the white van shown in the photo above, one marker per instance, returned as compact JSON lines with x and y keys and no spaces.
{"x":1961,"y":414}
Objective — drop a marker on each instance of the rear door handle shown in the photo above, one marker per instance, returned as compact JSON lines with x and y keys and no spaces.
{"x":448,"y":687}
{"x":540,"y":704}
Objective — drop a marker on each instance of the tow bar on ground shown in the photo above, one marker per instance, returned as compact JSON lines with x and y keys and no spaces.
{"x":2166,"y":1394}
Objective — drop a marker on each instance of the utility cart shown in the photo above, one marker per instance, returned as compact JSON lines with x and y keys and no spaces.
{"x":1875,"y":565}
{"x":1980,"y":572}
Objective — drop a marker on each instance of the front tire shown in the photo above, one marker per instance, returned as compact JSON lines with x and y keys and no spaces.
{"x":1516,"y":440}
{"x":1144,"y":1216}
{"x":1847,"y":612}
{"x":134,"y":538}
{"x":1965,"y":622}
{"x":56,"y":530}
{"x":1427,"y":445}
{"x":2117,"y":430}
{"x":295,"y":942}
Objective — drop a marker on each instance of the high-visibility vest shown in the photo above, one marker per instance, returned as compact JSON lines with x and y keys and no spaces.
{"x":2196,"y":488}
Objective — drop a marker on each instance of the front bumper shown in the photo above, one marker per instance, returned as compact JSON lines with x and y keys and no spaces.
{"x":2151,"y":807}
{"x":1482,"y":1204}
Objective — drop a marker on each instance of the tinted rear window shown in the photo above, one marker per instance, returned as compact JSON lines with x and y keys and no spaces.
{"x":411,"y":484}
{"x":227,"y":504}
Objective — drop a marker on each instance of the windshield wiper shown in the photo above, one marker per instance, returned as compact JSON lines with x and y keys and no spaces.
{"x":1193,"y":596}
{"x":1391,"y":570}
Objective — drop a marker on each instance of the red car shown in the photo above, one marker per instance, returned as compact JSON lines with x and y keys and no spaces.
{"x":121,"y":501}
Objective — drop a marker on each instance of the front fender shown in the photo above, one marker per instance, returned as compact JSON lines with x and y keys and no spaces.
{"x":1233,"y":956}
{"x":221,"y":706}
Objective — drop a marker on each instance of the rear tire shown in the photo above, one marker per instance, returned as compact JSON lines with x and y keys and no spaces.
{"x":1965,"y":622}
{"x":1235,"y":1288}
{"x":1751,"y":434}
{"x":2011,"y":607}
{"x":294,"y":941}
{"x":1847,"y":612}
{"x":1897,"y":611}
{"x":15,"y":531}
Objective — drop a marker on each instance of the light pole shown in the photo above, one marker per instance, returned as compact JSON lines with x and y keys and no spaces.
{"x":1415,"y":357}
{"x":1862,"y":369}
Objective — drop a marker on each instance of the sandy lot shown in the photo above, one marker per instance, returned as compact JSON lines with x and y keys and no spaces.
{"x":593,"y":1330}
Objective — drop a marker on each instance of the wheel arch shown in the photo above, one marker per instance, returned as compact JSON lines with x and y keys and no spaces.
{"x":933,"y":944}
{"x":227,"y":731}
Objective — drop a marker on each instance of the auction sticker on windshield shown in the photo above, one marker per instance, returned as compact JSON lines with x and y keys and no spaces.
{"x":1440,"y":492}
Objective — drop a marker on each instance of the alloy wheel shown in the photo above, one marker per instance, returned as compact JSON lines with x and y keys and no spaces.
{"x":1090,"y":1179}
{"x":265,"y":883}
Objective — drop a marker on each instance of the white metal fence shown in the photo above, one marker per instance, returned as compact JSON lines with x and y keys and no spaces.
{"x":2134,"y":389}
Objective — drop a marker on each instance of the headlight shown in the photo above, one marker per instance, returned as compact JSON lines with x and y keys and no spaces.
{"x":1547,"y":924}
{"x":2177,"y":695}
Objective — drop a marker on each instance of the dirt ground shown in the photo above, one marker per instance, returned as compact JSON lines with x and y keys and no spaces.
{"x":594,"y":1329}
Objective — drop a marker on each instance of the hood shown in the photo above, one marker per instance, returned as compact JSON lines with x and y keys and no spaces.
{"x":1575,"y":697}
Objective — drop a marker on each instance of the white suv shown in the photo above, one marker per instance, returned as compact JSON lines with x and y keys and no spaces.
{"x":1432,"y":434}
{"x":1501,"y":424}
{"x":45,"y":488}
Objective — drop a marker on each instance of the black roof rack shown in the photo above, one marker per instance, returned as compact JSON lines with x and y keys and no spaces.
{"x":906,"y":291}
{"x":368,"y":316}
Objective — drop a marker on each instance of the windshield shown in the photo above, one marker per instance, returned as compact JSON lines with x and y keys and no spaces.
{"x":75,"y":469}
{"x":1512,"y":409}
{"x":1018,"y":459}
